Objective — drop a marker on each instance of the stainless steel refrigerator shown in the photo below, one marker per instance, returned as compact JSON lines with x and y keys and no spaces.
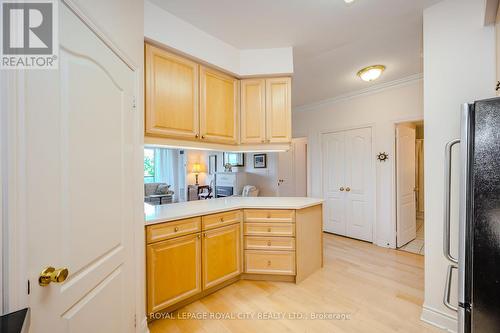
{"x":478,"y":262}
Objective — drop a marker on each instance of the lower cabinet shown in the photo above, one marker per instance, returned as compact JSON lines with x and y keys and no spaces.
{"x":173,"y":271}
{"x":221,"y":255}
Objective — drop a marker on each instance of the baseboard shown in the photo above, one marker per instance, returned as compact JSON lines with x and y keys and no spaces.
{"x":439,"y":319}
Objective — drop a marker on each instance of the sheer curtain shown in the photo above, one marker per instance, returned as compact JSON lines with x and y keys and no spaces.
{"x":167,"y":169}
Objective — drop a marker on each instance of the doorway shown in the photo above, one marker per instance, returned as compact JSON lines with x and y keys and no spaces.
{"x":410,"y":187}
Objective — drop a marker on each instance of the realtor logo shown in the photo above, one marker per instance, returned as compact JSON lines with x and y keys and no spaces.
{"x":29,"y":35}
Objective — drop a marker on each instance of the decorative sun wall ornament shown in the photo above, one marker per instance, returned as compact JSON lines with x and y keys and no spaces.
{"x":382,"y":157}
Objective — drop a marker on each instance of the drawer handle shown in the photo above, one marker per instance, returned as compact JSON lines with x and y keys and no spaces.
{"x":176,"y":229}
{"x":268,"y":243}
{"x":269,"y":263}
{"x":268,"y":229}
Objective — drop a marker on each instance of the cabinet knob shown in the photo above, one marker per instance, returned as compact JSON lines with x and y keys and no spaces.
{"x":348,"y":189}
{"x":205,"y":235}
{"x":176,"y":229}
{"x":268,"y":215}
{"x":269,"y":263}
{"x":198,"y":236}
{"x":203,"y":137}
{"x":268,"y":243}
{"x":341,"y":189}
{"x":268,"y":229}
{"x":196,"y":136}
{"x":222,"y":219}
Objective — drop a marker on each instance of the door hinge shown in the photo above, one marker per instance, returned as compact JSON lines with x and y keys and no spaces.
{"x":135,"y":320}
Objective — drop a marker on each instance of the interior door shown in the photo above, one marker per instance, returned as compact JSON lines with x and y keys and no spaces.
{"x":359,"y":184}
{"x":333,"y":152}
{"x":79,"y":185}
{"x":405,"y":185}
{"x":286,"y":179}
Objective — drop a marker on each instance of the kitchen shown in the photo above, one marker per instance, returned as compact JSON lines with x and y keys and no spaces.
{"x":231,"y":166}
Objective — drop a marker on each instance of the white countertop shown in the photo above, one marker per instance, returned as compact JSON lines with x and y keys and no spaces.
{"x":182,"y":210}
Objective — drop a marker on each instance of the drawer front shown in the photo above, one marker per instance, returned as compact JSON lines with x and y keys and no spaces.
{"x":270,"y":262}
{"x":167,"y":230}
{"x":269,"y":243}
{"x":269,"y":229}
{"x":221,"y":219}
{"x":269,"y":215}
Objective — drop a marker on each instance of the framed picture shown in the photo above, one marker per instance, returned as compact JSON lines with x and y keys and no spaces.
{"x":260,"y":161}
{"x":235,"y":159}
{"x":212,"y":164}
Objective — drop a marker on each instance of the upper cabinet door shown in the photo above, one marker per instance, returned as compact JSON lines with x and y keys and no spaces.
{"x":218,"y":107}
{"x":253,"y":111}
{"x":171,"y":95}
{"x":278,"y":110}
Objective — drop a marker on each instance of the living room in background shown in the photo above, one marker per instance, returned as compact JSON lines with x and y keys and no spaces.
{"x":164,"y":175}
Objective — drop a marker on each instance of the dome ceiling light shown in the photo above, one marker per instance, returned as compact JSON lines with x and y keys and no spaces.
{"x":371,"y":73}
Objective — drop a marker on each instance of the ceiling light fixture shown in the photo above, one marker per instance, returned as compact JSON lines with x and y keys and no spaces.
{"x":348,"y":1}
{"x":371,"y":73}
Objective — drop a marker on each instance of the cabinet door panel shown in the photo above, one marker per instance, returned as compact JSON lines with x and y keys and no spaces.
{"x":278,"y":110}
{"x":173,"y":271}
{"x":218,"y":107}
{"x":221,"y":255}
{"x":171,"y":95}
{"x":253,"y":111}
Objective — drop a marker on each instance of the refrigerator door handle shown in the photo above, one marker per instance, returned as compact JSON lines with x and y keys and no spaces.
{"x":447,"y":200}
{"x":446,"y":298}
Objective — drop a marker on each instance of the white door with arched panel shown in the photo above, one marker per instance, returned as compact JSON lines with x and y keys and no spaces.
{"x":348,"y":183}
{"x":79,"y":179}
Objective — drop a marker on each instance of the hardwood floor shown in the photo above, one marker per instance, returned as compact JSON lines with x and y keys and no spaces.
{"x":376,"y":289}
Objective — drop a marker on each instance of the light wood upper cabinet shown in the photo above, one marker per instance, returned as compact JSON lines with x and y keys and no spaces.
{"x":278,"y":110}
{"x":266,"y":110}
{"x":171,"y":95}
{"x":253,"y":111}
{"x":173,"y":271}
{"x":219,"y":100}
{"x":221,"y":255}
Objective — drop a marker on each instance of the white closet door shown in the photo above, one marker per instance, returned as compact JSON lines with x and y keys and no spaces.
{"x":333,"y":151}
{"x":358,"y":184}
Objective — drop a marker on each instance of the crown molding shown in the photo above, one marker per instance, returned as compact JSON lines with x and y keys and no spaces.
{"x":363,"y":92}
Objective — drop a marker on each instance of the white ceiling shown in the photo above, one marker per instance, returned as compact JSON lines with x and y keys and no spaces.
{"x":331,"y":40}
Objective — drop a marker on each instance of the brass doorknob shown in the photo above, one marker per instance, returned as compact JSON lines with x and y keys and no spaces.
{"x":347,"y":189}
{"x":341,"y":189}
{"x":50,"y":274}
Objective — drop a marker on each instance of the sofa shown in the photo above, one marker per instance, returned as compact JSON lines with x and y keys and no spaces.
{"x":158,"y":193}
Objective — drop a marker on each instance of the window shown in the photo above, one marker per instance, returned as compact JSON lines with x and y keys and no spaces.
{"x":149,"y":165}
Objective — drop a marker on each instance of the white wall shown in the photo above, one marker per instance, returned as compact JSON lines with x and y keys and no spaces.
{"x":379,"y":109}
{"x":168,"y":30}
{"x":459,"y":67}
